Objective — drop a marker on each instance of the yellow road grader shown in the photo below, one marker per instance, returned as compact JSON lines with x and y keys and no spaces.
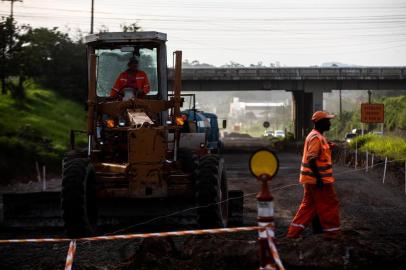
{"x":139,"y":162}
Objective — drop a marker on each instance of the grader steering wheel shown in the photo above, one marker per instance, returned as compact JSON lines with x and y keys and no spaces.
{"x":128,"y":93}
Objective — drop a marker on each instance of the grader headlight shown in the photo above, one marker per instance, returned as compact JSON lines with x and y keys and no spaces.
{"x":180,"y":121}
{"x":110,"y":123}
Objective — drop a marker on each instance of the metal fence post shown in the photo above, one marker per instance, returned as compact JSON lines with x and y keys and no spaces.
{"x":356,"y":154}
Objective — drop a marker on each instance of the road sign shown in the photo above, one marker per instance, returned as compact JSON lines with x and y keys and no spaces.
{"x":266,"y":124}
{"x":265,"y":162}
{"x":372,"y":113}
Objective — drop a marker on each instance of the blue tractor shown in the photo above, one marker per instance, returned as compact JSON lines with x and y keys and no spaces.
{"x":204,"y":123}
{"x":214,"y":143}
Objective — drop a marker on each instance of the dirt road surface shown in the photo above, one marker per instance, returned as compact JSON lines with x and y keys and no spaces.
{"x":373,"y":219}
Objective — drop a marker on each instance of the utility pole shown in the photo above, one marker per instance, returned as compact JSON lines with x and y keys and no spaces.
{"x":369,"y":96}
{"x":3,"y":72}
{"x":12,"y":5}
{"x":3,"y":60}
{"x":11,"y":17}
{"x":369,"y":101}
{"x":92,"y":18}
{"x":341,"y":105}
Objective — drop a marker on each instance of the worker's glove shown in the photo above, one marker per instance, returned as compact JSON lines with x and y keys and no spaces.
{"x":319,"y":183}
{"x":332,"y":145}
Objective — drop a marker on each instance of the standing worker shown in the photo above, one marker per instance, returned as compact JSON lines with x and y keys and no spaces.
{"x":316,"y":174}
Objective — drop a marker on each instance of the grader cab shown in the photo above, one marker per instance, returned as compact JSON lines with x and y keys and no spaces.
{"x":138,"y":162}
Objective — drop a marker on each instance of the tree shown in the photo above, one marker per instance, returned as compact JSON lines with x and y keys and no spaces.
{"x":133,"y":27}
{"x":7,"y":28}
{"x":232,"y":64}
{"x":51,"y":58}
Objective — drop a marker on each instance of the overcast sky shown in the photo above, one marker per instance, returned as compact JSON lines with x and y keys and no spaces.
{"x":292,"y":32}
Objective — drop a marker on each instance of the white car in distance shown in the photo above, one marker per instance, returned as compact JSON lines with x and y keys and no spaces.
{"x":279,"y":134}
{"x":268,"y":133}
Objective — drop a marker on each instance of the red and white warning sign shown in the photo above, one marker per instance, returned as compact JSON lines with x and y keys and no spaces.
{"x":372,"y":113}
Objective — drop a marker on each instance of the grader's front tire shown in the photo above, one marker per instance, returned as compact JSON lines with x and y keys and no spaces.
{"x":211,"y":193}
{"x":78,"y":198}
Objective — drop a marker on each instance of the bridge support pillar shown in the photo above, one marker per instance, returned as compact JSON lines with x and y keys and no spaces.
{"x":317,"y":100}
{"x":302,"y":113}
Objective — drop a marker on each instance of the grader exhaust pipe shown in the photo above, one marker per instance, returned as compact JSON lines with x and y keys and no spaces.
{"x":91,"y":101}
{"x":177,"y":91}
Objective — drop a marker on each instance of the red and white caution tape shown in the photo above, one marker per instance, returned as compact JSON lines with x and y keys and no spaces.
{"x":178,"y":233}
{"x":274,"y":252}
{"x":72,"y":245}
{"x":71,"y":255}
{"x":41,"y":240}
{"x":138,"y":235}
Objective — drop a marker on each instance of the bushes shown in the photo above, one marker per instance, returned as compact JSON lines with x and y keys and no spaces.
{"x":361,"y":140}
{"x":392,"y":147}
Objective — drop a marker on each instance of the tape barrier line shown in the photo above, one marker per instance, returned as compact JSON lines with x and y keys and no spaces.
{"x":71,"y":255}
{"x":274,"y":252}
{"x":40,"y":240}
{"x":138,"y":235}
{"x":176,"y":233}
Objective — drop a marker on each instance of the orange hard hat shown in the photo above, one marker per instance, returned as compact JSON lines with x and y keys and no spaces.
{"x":317,"y":116}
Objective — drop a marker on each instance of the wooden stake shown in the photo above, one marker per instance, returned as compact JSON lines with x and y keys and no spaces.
{"x":366,"y":161}
{"x":384,"y":170}
{"x":38,"y":172}
{"x":44,"y":180}
{"x":356,"y":154}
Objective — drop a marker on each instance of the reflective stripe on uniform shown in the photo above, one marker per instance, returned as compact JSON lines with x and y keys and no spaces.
{"x":297,"y":225}
{"x":321,"y":168}
{"x":332,"y":229}
{"x":322,"y":175}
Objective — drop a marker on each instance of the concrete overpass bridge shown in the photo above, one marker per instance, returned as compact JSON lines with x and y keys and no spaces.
{"x":307,"y":84}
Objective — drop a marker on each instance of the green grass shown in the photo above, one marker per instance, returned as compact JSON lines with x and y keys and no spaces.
{"x":45,"y":113}
{"x":385,"y":146}
{"x":36,"y":129}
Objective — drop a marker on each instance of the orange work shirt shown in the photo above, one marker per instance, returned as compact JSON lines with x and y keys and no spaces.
{"x":316,"y":146}
{"x":137,"y":80}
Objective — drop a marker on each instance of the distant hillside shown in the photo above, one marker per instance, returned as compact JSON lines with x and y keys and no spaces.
{"x":35,"y":130}
{"x":337,"y":64}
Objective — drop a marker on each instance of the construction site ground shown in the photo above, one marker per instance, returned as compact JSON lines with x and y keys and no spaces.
{"x":373,"y":217}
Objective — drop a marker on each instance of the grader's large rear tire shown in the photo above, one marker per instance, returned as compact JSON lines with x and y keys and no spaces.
{"x":211,"y":192}
{"x":78,"y":198}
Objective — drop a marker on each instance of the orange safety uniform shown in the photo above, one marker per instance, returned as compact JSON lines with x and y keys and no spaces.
{"x":317,"y":201}
{"x":139,"y":81}
{"x":316,"y":146}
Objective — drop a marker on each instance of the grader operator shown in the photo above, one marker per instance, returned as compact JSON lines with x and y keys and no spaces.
{"x":138,"y":162}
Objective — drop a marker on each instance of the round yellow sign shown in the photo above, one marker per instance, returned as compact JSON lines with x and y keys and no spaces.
{"x":264,"y":161}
